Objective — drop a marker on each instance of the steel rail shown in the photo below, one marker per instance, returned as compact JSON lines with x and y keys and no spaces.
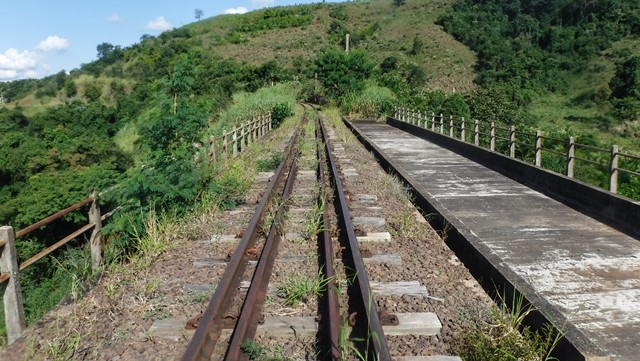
{"x":204,"y":340}
{"x":254,"y":300}
{"x":331,"y":304}
{"x":375,"y":336}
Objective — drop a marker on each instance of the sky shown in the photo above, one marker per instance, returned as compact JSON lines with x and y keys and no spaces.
{"x":42,"y":37}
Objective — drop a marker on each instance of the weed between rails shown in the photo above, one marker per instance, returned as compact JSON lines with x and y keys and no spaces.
{"x":302,"y":288}
{"x":313,"y":223}
{"x":256,"y":351}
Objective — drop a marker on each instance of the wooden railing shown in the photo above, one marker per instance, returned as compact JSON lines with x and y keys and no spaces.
{"x":231,"y":143}
{"x":10,"y":270}
{"x":483,"y":134}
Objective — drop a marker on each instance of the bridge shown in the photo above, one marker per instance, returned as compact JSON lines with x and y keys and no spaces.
{"x":570,"y":249}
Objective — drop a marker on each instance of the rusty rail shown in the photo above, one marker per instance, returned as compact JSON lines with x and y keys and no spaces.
{"x":332,"y":307}
{"x":375,"y":335}
{"x":206,"y":336}
{"x":257,"y":292}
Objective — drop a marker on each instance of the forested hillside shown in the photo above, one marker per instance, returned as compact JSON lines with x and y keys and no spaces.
{"x":560,"y":60}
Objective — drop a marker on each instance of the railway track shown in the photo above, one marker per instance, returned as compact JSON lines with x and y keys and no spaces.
{"x":303,"y":227}
{"x":345,"y":223}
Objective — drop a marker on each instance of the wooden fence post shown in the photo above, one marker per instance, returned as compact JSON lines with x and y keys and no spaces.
{"x":492,"y":137}
{"x":571,"y":152}
{"x":512,"y":142}
{"x":441,"y":123}
{"x":420,"y":119}
{"x":476,"y":132}
{"x":96,"y":239}
{"x":463,"y":136}
{"x":433,"y":121}
{"x":11,"y":292}
{"x":259,"y":126}
{"x":225,"y":154}
{"x":451,"y":126}
{"x":264,"y":125}
{"x":242,"y":137}
{"x":269,"y":122}
{"x":255,"y":128}
{"x":212,"y":150}
{"x":538,"y":148}
{"x":613,"y":170}
{"x":234,"y":138}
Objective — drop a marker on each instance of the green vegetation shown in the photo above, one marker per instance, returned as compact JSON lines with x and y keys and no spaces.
{"x":301,"y":288}
{"x":256,"y":351}
{"x":505,"y":337}
{"x":569,"y":68}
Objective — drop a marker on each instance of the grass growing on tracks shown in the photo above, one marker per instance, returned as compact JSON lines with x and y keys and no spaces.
{"x":301,"y":288}
{"x":503,"y":336}
{"x":259,"y":352}
{"x":313,"y":223}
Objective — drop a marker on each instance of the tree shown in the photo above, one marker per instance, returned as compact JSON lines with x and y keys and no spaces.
{"x":70,"y":88}
{"x":198,"y":13}
{"x":92,"y":90}
{"x":181,"y":80}
{"x":104,"y":50}
{"x":342,"y":72}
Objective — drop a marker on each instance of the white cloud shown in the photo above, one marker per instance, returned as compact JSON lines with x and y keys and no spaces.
{"x":31,"y":74}
{"x":159,"y":24}
{"x":115,"y":19}
{"x":8,"y":74}
{"x":19,"y":64}
{"x":53,"y":43}
{"x":238,"y":10}
{"x":13,"y":59}
{"x":262,"y":2}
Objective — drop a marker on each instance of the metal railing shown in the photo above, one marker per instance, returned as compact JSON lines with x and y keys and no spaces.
{"x":487,"y":135}
{"x":10,"y":269}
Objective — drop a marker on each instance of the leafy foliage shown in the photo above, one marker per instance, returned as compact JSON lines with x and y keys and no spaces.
{"x":342,"y":72}
{"x":276,"y":18}
{"x":526,"y":47}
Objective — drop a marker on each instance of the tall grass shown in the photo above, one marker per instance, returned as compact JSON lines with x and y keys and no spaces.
{"x":247,"y":105}
{"x":503,"y":335}
{"x":372,"y":102}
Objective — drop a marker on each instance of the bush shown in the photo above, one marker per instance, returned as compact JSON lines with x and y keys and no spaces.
{"x":279,"y":113}
{"x":372,"y":102}
{"x":341,"y":72}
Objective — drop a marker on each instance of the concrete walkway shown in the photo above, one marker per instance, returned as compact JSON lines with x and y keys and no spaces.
{"x":585,"y":270}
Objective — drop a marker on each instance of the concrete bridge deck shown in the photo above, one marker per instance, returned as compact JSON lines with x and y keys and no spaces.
{"x":572,"y":268}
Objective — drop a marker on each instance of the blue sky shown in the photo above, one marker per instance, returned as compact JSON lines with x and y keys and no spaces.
{"x":41,"y":37}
